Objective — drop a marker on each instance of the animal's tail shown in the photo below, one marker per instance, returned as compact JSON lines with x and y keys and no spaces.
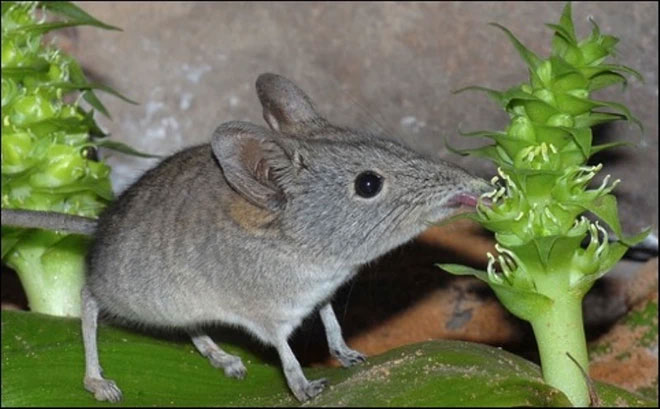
{"x":48,"y":220}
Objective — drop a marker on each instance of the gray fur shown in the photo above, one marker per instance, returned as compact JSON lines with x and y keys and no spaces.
{"x":258,"y":229}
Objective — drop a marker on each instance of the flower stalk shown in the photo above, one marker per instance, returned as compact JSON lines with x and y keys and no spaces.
{"x":542,"y":270}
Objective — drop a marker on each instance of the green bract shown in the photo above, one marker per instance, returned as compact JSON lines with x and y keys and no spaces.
{"x":542,"y":190}
{"x":48,"y":146}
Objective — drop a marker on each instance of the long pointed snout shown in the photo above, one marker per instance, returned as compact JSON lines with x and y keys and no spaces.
{"x":468,"y":192}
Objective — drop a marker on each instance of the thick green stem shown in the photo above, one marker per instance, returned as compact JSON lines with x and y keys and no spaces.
{"x":559,"y":331}
{"x":53,"y":293}
{"x":51,"y":270}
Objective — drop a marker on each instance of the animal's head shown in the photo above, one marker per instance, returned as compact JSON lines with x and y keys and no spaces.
{"x":338,"y":193}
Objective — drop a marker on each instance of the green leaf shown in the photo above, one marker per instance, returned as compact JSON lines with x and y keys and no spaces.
{"x":497,"y":96}
{"x":566,"y":22}
{"x":94,"y":129}
{"x":632,"y":240}
{"x":76,"y":14}
{"x":573,"y":105}
{"x":485,"y":134}
{"x":69,"y":125}
{"x":531,"y":59}
{"x":101,"y":187}
{"x":621,"y":108}
{"x":543,"y":247}
{"x":154,"y":372}
{"x":78,"y":77}
{"x":39,"y":29}
{"x":10,"y":236}
{"x":123,"y":148}
{"x":492,"y":152}
{"x":86,"y":86}
{"x":93,"y":100}
{"x":582,"y":138}
{"x":593,"y":118}
{"x":38,"y":67}
{"x":538,"y":111}
{"x":614,"y":254}
{"x":597,"y":148}
{"x":562,"y":68}
{"x":561,"y":31}
{"x":522,"y":303}
{"x":605,"y":80}
{"x":461,"y":270}
{"x":562,"y":250}
{"x":605,"y":208}
{"x":628,"y":70}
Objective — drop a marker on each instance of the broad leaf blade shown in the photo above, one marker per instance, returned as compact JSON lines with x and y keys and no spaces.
{"x":43,"y":365}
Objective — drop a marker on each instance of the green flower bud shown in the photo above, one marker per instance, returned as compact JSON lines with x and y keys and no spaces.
{"x":573,"y":105}
{"x":570,"y":81}
{"x":539,"y":111}
{"x":579,"y":93}
{"x":544,"y":72}
{"x":546,"y":96}
{"x":560,"y":119}
{"x":15,"y":150}
{"x":522,"y":128}
{"x":31,"y":108}
{"x":9,"y":54}
{"x":592,"y":52}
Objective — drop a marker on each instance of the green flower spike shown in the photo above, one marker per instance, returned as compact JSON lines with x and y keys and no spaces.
{"x":541,"y":192}
{"x":48,"y":150}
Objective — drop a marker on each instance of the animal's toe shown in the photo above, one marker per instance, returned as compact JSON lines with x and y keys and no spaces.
{"x":351,"y":357}
{"x":315,"y":387}
{"x":235,"y":369}
{"x":104,"y":389}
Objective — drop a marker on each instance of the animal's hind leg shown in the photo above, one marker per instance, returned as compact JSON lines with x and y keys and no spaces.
{"x":232,"y":365}
{"x":103,"y":389}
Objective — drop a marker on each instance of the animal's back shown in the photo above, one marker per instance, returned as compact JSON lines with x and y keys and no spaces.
{"x":148,"y":255}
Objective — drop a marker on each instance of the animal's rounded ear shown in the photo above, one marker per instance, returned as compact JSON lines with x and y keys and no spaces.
{"x":252,"y":161}
{"x":287,"y":108}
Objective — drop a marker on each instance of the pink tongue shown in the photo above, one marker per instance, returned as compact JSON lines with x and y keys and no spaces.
{"x":465,"y":199}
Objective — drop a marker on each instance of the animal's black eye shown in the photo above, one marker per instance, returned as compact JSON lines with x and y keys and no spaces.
{"x":368,"y":184}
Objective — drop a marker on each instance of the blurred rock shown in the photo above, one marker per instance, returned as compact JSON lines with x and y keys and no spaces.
{"x":193,"y":65}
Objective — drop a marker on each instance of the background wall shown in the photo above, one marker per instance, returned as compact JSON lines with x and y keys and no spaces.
{"x":193,"y":65}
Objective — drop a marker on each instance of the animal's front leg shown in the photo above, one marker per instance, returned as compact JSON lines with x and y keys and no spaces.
{"x":300,"y":386}
{"x":338,"y":347}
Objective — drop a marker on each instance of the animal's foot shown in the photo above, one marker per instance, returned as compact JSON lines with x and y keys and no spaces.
{"x":309,"y":389}
{"x":348,"y":357}
{"x":232,"y":365}
{"x":103,"y":389}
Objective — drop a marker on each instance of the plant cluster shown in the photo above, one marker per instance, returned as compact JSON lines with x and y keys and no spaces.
{"x":542,"y":191}
{"x":49,"y":144}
